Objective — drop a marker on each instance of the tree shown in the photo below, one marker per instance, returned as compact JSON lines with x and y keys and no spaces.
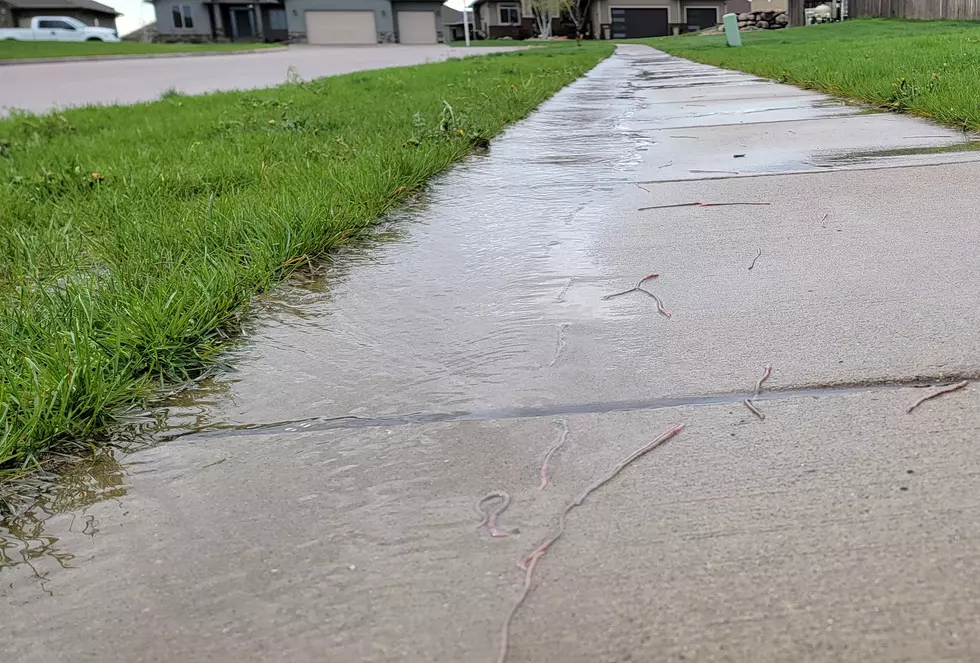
{"x":545,"y":10}
{"x":578,"y":11}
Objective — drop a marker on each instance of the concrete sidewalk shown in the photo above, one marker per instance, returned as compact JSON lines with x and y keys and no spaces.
{"x":318,"y":503}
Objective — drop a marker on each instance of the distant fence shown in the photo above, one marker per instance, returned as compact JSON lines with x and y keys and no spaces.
{"x":925,"y":9}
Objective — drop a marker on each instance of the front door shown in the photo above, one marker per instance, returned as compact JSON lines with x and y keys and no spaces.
{"x":242,"y":23}
{"x":637,"y":23}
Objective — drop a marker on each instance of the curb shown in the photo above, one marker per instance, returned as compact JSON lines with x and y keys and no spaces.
{"x":137,"y":56}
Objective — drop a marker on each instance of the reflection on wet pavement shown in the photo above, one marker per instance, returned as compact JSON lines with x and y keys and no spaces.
{"x":474,"y":299}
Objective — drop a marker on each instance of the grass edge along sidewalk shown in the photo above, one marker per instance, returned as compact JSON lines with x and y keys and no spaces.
{"x":12,"y":51}
{"x":925,"y":68}
{"x":136,"y":236}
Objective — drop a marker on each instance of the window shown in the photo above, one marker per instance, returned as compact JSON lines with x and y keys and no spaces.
{"x":510,"y":15}
{"x":183,"y":18}
{"x":54,"y":25}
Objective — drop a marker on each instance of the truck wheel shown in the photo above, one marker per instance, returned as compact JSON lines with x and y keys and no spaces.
{"x":93,"y":39}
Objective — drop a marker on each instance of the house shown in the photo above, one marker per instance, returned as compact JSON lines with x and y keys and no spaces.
{"x":504,"y":18}
{"x":610,"y":19}
{"x":452,"y":24}
{"x":305,"y":21}
{"x":631,"y":19}
{"x":18,"y":13}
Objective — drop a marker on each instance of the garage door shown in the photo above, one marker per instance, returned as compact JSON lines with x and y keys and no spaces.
{"x":702,"y":18}
{"x":417,"y":27}
{"x":325,"y":27}
{"x":636,"y":23}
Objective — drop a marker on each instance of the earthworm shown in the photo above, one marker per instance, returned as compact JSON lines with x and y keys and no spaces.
{"x":560,"y":345}
{"x":754,"y":259}
{"x":944,"y":390}
{"x":634,"y":288}
{"x":563,"y":435}
{"x":561,"y":295}
{"x":669,"y":163}
{"x":505,"y":633}
{"x":543,"y":548}
{"x":637,"y":185}
{"x":660,"y":305}
{"x":754,"y":410}
{"x":490,"y":515}
{"x":765,"y":376}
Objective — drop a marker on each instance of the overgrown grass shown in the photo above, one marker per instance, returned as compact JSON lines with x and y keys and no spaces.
{"x":928,"y":68}
{"x":19,"y":50}
{"x":134,"y":237}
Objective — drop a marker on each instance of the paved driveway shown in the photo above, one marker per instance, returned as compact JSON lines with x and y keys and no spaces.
{"x":39,"y":87}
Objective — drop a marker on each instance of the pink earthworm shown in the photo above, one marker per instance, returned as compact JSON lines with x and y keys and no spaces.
{"x":660,"y":305}
{"x":754,"y":410}
{"x":562,"y":436}
{"x":765,"y":376}
{"x":543,"y":548}
{"x":505,"y":633}
{"x":944,"y":390}
{"x":634,"y":288}
{"x":490,"y":515}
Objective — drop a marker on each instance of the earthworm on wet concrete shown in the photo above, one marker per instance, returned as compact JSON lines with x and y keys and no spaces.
{"x":754,"y":259}
{"x":758,"y":387}
{"x":562,"y":436}
{"x":541,"y":549}
{"x":560,"y":346}
{"x":505,"y":634}
{"x":531,"y":560}
{"x":944,"y":390}
{"x":564,"y":290}
{"x":490,"y":515}
{"x":765,"y":376}
{"x":753,"y":409}
{"x":634,"y":288}
{"x":660,"y":305}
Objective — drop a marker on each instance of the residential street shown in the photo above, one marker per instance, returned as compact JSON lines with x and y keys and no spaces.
{"x":40,"y":87}
{"x":318,"y":503}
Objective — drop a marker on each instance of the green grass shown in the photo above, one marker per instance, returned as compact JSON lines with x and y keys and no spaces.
{"x":135,"y":237}
{"x":928,"y":68}
{"x":19,"y":50}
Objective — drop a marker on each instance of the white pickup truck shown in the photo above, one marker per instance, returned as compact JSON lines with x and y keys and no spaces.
{"x":58,"y":28}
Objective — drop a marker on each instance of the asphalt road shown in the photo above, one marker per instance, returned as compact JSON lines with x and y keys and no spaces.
{"x":317,"y":504}
{"x":40,"y":87}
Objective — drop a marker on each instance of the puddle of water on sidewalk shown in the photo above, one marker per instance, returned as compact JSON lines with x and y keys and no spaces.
{"x":442,"y":314}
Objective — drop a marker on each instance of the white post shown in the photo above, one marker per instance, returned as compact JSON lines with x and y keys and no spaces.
{"x":466,"y":24}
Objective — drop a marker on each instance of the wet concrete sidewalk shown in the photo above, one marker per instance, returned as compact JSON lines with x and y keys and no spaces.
{"x":318,"y":504}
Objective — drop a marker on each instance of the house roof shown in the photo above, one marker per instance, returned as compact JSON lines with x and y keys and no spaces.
{"x":450,"y":16}
{"x":90,"y":5}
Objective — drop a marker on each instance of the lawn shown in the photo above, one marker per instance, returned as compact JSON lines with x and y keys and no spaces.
{"x":19,"y":50}
{"x":928,"y":68}
{"x":135,"y":237}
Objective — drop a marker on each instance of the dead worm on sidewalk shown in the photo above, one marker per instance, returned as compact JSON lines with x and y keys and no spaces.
{"x":490,"y":515}
{"x":754,"y":259}
{"x":944,"y":390}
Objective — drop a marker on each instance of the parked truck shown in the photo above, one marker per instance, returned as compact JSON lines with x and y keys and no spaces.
{"x":58,"y":28}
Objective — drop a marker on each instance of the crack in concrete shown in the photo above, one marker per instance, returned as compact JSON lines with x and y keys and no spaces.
{"x":316,"y":424}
